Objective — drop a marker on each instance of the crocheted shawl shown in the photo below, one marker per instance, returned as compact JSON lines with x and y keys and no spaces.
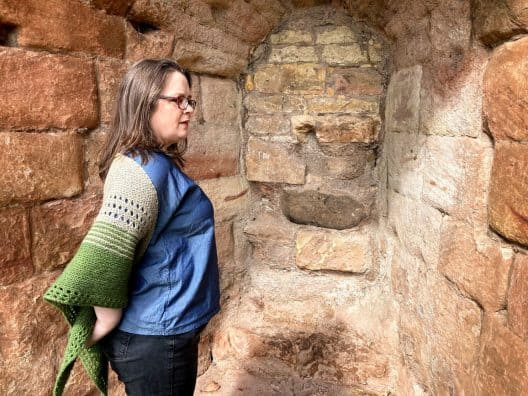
{"x":99,"y":272}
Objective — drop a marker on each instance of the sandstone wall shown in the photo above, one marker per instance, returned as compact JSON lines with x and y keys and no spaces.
{"x":454,"y":224}
{"x":367,"y":163}
{"x":60,"y":65}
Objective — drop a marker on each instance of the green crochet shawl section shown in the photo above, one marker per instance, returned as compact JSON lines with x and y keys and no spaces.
{"x":95,"y":277}
{"x":98,"y":275}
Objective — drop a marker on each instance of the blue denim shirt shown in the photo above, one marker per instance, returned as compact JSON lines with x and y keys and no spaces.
{"x":175,"y":286}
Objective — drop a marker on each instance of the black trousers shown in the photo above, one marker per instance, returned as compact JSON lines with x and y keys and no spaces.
{"x":154,"y":365}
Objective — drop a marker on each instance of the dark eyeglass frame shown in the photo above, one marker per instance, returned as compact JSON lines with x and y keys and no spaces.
{"x":182,"y":101}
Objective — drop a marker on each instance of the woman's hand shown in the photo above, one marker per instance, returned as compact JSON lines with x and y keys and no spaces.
{"x":107,"y":320}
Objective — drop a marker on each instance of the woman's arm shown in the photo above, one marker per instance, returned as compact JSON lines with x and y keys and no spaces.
{"x":107,"y":320}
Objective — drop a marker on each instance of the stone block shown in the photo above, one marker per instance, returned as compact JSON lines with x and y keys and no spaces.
{"x":406,"y":155}
{"x":68,"y":25}
{"x":402,"y":105}
{"x":229,"y":196}
{"x":497,"y":22}
{"x":508,"y":208}
{"x":348,"y":129}
{"x":58,"y":228}
{"x":110,"y":73}
{"x":204,"y":58}
{"x":322,"y":209}
{"x":294,"y":103}
{"x":344,"y":55}
{"x":15,"y":262}
{"x":342,"y":104}
{"x":219,"y":100}
{"x":273,"y":240}
{"x":375,"y":53}
{"x":478,"y":265}
{"x":213,"y":151}
{"x":338,"y":128}
{"x":267,"y":125}
{"x":154,"y":44}
{"x":299,"y":79}
{"x":92,"y":147}
{"x":67,"y":93}
{"x":456,"y":175}
{"x":518,"y":297}
{"x":355,"y":81}
{"x":335,"y":35}
{"x":242,"y":20}
{"x":33,"y":351}
{"x":225,"y":247}
{"x":271,"y":162}
{"x":457,"y":112}
{"x":500,"y":369}
{"x":349,"y":167}
{"x":291,"y":37}
{"x":503,"y":80}
{"x":40,"y":166}
{"x":263,"y":104}
{"x":293,"y":54}
{"x":417,"y":226}
{"x":114,"y":7}
{"x":349,"y":251}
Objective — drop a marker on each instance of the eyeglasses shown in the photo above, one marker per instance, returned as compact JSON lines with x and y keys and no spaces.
{"x":181,"y":101}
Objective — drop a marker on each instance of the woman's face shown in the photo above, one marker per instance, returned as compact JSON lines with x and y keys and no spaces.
{"x":170,"y":123}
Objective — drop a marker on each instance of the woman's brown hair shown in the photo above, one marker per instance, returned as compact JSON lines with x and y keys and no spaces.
{"x":130,"y":130}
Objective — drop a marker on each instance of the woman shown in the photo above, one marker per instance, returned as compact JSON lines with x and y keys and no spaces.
{"x":144,"y":281}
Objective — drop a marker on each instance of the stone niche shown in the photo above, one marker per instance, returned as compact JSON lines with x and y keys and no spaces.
{"x":312,"y":118}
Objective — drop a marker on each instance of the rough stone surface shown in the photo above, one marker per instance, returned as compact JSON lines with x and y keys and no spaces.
{"x":267,"y":125}
{"x":501,"y":368}
{"x":205,"y":160}
{"x":355,"y":81}
{"x":39,"y":166}
{"x":15,"y":262}
{"x":456,"y":175}
{"x":93,"y":144}
{"x":417,"y":226}
{"x":293,"y":54}
{"x":273,"y":239}
{"x":296,"y":79}
{"x":499,"y":21}
{"x":342,"y":104}
{"x":505,"y":79}
{"x":323,"y":210}
{"x":455,"y":110}
{"x":343,"y":55}
{"x":291,"y":37}
{"x":228,"y":195}
{"x":335,"y":35}
{"x":220,"y":100}
{"x":32,"y":338}
{"x":67,"y":25}
{"x":405,"y":153}
{"x":508,"y":208}
{"x":155,"y":44}
{"x":57,"y":229}
{"x":269,"y":104}
{"x":336,"y":251}
{"x":65,"y":85}
{"x":270,"y":162}
{"x":518,"y":297}
{"x":478,"y":265}
{"x":202,"y":58}
{"x":110,"y":73}
{"x":403,"y":101}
